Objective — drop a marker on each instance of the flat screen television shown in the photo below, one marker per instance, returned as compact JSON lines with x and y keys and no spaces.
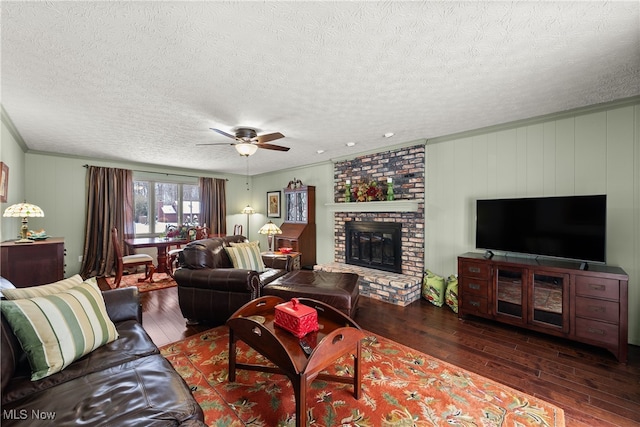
{"x":570,"y":227}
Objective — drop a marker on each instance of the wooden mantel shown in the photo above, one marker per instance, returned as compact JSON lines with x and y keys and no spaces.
{"x":378,"y":206}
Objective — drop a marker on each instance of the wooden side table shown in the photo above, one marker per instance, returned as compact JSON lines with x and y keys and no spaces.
{"x":339,"y":335}
{"x":292,"y":259}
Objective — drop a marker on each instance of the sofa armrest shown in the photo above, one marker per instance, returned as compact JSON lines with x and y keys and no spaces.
{"x":219,"y":279}
{"x":123,"y":304}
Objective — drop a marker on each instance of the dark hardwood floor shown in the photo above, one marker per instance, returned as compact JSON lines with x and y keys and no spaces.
{"x":587,"y":382}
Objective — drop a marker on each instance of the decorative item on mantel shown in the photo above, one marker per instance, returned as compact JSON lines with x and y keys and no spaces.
{"x":347,"y":191}
{"x":368,"y":192}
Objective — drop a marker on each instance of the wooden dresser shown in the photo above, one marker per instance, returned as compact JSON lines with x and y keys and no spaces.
{"x":548,"y":296}
{"x":29,"y":264}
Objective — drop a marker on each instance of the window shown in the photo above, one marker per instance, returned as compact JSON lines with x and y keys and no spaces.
{"x":160,"y":204}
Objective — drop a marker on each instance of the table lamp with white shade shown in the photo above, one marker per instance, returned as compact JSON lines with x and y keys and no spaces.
{"x":270,"y":229}
{"x":23,"y":210}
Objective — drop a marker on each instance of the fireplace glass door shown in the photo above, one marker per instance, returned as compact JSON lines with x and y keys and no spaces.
{"x":374,"y":248}
{"x":375,"y":245}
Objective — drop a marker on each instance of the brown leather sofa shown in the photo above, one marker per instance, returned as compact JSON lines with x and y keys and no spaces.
{"x":210,"y":289}
{"x":124,"y":383}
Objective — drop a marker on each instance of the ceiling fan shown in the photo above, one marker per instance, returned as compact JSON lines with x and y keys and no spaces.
{"x":248,"y":141}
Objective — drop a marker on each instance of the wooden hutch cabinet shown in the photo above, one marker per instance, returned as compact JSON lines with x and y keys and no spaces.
{"x":299,"y":226}
{"x":37,"y":263}
{"x":549,"y":296}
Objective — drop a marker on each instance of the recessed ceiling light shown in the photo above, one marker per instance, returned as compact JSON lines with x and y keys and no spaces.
{"x":350,"y":144}
{"x":389,"y":134}
{"x":320,"y":151}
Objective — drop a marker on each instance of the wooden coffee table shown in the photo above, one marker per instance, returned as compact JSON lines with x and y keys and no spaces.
{"x":339,"y":335}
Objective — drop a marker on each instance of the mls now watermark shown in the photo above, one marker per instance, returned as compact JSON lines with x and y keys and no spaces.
{"x":25,"y":414}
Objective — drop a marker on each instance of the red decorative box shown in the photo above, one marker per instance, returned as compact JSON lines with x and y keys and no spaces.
{"x":296,"y":318}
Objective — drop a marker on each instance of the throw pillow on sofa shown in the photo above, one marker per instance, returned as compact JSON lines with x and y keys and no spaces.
{"x":246,"y":257}
{"x":451,"y":294}
{"x":57,"y":329}
{"x":433,"y":288}
{"x":5,"y":284}
{"x":240,"y":244}
{"x":43,"y":290}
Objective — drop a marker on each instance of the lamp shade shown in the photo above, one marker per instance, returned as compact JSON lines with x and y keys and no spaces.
{"x":246,"y":148}
{"x":248,"y":210}
{"x":23,"y":210}
{"x":269,"y":229}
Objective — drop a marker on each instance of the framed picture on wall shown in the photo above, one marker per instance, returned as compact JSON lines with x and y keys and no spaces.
{"x":4,"y":182}
{"x":273,"y":204}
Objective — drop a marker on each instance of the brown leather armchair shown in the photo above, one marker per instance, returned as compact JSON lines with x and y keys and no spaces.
{"x":210,"y":289}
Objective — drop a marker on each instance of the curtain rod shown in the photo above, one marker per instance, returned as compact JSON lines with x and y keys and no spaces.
{"x":160,"y":173}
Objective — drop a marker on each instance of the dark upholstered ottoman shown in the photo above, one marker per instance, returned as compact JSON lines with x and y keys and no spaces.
{"x":339,"y":290}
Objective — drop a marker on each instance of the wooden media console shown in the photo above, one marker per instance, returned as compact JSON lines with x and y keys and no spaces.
{"x":549,"y":296}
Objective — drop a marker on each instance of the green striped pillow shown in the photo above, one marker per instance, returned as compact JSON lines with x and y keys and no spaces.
{"x":240,"y":244}
{"x":57,"y":329}
{"x":246,"y":257}
{"x":43,"y":290}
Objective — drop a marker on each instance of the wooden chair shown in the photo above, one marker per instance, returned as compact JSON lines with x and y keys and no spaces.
{"x":237,"y":230}
{"x":130,"y":261}
{"x":198,"y":233}
{"x":172,"y":257}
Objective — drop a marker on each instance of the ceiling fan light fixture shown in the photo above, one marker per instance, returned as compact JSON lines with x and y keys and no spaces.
{"x":246,"y":148}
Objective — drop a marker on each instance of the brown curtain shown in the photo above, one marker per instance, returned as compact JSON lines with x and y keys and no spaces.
{"x":109,"y":204}
{"x":213,"y":205}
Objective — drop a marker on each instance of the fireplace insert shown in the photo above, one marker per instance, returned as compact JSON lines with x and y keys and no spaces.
{"x":375,"y":245}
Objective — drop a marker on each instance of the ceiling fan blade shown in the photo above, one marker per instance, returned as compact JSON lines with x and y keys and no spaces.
{"x":268,"y":137}
{"x":218,"y":143}
{"x":221,"y":132}
{"x":273,"y":147}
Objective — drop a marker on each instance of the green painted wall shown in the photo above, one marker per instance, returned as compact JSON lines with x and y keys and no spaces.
{"x":593,"y":152}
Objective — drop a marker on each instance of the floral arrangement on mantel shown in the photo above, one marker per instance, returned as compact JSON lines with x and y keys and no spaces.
{"x":368,"y":191}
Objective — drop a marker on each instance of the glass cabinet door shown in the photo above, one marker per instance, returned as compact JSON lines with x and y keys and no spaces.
{"x":296,"y":206}
{"x":548,"y":295}
{"x":511,"y":295}
{"x":291,"y":207}
{"x":302,"y":207}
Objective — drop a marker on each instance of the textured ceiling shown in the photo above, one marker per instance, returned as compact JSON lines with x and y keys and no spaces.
{"x":145,"y":81}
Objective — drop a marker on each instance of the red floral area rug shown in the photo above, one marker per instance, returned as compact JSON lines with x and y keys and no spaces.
{"x":401,"y":387}
{"x":160,"y":281}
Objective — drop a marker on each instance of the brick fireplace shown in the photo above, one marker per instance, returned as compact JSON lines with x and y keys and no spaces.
{"x":406,"y":167}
